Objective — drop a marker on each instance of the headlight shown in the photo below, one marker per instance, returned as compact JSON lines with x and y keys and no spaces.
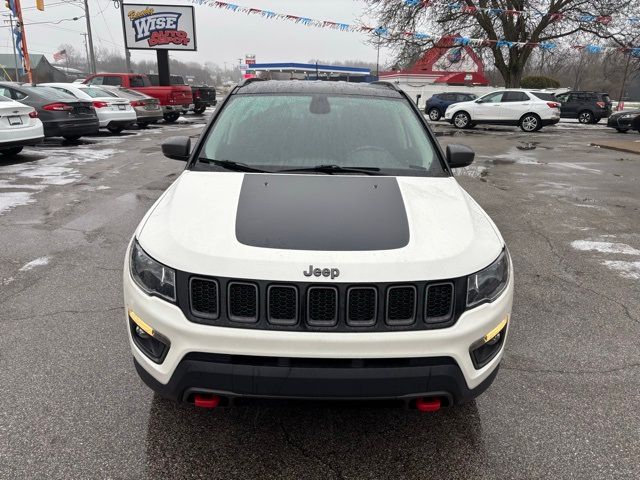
{"x":488,"y":284}
{"x":151,"y":276}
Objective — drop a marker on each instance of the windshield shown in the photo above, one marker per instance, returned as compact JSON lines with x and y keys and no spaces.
{"x":278,"y":132}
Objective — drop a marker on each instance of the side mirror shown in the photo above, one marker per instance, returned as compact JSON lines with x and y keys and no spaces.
{"x":459,"y":156}
{"x":177,"y":148}
{"x":479,"y":100}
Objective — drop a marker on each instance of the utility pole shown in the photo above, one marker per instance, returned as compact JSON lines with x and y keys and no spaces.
{"x":86,"y":50}
{"x":624,"y":81}
{"x":127,"y":53}
{"x":92,"y":58}
{"x":13,"y":44}
{"x":378,"y":60}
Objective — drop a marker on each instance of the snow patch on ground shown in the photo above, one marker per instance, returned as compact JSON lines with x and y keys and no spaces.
{"x":575,"y":166}
{"x":474,"y":171}
{"x":38,"y":262}
{"x":627,"y":269}
{"x":604,"y":247}
{"x":7,"y":184}
{"x":59,"y":167}
{"x":10,"y":200}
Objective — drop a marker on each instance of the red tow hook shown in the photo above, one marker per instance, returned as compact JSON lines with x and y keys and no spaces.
{"x":428,"y":404}
{"x":206,"y":401}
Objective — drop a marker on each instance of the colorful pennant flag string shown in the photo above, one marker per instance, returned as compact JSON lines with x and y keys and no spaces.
{"x":384,"y":32}
{"x":497,"y":12}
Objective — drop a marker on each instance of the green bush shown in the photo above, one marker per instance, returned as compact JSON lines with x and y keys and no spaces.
{"x":539,"y":81}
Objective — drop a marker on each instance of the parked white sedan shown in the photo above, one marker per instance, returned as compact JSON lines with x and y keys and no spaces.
{"x":529,"y":109}
{"x":19,"y":126}
{"x":114,"y":113}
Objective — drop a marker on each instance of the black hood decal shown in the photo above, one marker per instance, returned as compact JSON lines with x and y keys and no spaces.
{"x":328,"y":213}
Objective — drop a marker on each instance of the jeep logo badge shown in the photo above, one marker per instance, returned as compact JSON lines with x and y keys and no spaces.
{"x":322,"y":272}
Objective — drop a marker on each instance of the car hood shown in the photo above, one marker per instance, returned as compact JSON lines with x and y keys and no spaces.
{"x":272,"y":227}
{"x":625,"y":112}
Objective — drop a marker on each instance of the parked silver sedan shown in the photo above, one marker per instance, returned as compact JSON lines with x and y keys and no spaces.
{"x":148,"y":109}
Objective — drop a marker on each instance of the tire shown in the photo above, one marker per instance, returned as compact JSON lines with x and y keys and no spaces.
{"x":585,"y":117}
{"x":115,"y":130}
{"x":10,"y":152}
{"x":171,"y":117}
{"x":461,"y":120}
{"x":530,"y":122}
{"x":434,"y":114}
{"x":622,"y":130}
{"x":71,"y":138}
{"x":143,"y":125}
{"x":199,"y":110}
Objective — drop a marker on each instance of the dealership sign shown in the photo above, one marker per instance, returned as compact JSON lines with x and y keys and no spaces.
{"x":158,"y":27}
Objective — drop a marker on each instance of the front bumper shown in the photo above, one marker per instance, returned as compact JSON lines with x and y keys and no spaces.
{"x":303,"y":364}
{"x":256,"y":377}
{"x":623,"y":123}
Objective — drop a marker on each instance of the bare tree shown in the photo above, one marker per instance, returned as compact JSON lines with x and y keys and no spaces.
{"x":509,"y":37}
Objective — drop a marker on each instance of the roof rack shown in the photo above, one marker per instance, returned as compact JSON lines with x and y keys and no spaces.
{"x":385,"y":84}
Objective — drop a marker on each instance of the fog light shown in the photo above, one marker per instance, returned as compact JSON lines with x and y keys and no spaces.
{"x":141,"y":333}
{"x":485,"y":349}
{"x":153,"y":344}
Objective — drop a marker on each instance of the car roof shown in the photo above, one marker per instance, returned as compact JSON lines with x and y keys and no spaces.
{"x":318,"y":87}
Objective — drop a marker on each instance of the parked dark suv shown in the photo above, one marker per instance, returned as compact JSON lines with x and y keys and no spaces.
{"x":438,"y":103}
{"x":587,"y":107}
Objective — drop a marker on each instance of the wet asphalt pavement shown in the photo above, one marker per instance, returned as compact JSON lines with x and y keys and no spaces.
{"x":566,"y":403}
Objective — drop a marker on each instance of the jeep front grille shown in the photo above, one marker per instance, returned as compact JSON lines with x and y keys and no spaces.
{"x":204,"y":298}
{"x":401,"y":305}
{"x":282,"y":306}
{"x":322,"y":306}
{"x":439,"y":304}
{"x":308,"y":306}
{"x":362,"y":306}
{"x":243,"y":302}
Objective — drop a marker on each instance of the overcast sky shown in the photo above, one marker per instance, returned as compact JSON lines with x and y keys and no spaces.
{"x":223,"y":36}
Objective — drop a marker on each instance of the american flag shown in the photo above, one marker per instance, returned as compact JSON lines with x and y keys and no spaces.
{"x":59,"y":55}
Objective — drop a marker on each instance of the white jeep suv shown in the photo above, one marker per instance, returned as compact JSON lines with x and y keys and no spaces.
{"x":529,"y":109}
{"x":317,"y":245}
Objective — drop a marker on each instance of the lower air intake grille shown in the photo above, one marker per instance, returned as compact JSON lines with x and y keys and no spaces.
{"x":283,"y":305}
{"x":362,"y":306}
{"x":322,"y":306}
{"x":439,"y":304}
{"x":401,"y":305}
{"x":204,"y":298}
{"x":243,"y":302}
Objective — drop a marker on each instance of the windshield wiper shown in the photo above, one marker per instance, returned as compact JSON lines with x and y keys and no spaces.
{"x":231,"y":165}
{"x":331,"y":169}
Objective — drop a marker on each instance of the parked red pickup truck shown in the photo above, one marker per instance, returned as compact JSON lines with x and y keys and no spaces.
{"x":174,"y":99}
